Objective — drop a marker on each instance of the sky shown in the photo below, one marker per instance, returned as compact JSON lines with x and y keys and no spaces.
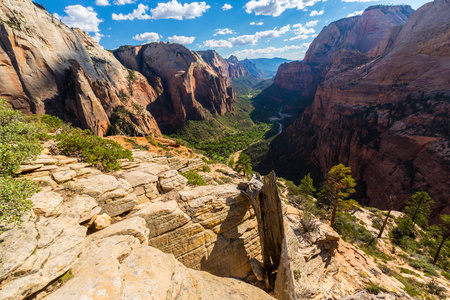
{"x":246,"y":29}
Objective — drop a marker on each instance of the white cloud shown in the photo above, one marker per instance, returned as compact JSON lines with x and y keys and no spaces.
{"x":276,"y":7}
{"x":316,"y":13}
{"x":81,"y":17}
{"x":102,"y":2}
{"x":139,"y":13}
{"x":268,"y":52}
{"x":223,"y":31}
{"x":218,"y":44}
{"x":268,"y":34}
{"x":243,"y":40}
{"x":299,"y":37}
{"x":123,"y":2}
{"x":300,"y":29}
{"x":185,"y":40}
{"x":97,"y":37}
{"x":256,"y":24}
{"x":355,"y":13}
{"x":148,"y":37}
{"x":359,"y":0}
{"x":312,"y":23}
{"x":178,"y":11}
{"x":226,"y":6}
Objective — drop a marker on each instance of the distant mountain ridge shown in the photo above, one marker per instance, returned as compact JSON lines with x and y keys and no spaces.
{"x":264,"y":67}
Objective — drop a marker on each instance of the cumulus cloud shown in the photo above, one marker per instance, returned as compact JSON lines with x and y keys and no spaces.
{"x":355,"y":13}
{"x":247,"y":39}
{"x":123,"y":2}
{"x":226,"y":6}
{"x":139,"y":13}
{"x":316,"y":13}
{"x":256,"y":24}
{"x":268,"y":34}
{"x":148,"y":37}
{"x":102,"y":2}
{"x":178,"y":11}
{"x":81,"y":17}
{"x":185,"y":40}
{"x":223,"y":31}
{"x":275,"y":7}
{"x":217,"y":44}
{"x":300,"y":29}
{"x":97,"y":37}
{"x":269,"y":52}
{"x":312,"y":23}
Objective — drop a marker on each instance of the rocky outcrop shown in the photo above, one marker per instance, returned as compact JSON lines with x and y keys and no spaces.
{"x":50,"y":68}
{"x":386,"y":117}
{"x":188,"y":86}
{"x":236,"y":68}
{"x":360,"y":33}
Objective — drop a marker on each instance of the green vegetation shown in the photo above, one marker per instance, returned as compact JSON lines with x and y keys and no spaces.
{"x":102,"y":153}
{"x":136,"y":145}
{"x":194,"y":178}
{"x":375,"y":289}
{"x":206,"y":169}
{"x":419,"y":208}
{"x":243,"y":165}
{"x":306,"y":187}
{"x":19,"y":141}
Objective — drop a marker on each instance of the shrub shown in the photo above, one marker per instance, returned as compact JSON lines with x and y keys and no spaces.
{"x":374,"y":288}
{"x":51,"y":122}
{"x":225,"y":179}
{"x":179,"y":142}
{"x":222,"y":171}
{"x":194,"y":178}
{"x":14,"y":198}
{"x":206,"y":169}
{"x":99,"y":152}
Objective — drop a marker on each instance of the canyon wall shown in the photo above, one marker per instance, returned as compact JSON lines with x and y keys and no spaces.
{"x":387,"y":117}
{"x":48,"y":67}
{"x":190,"y":88}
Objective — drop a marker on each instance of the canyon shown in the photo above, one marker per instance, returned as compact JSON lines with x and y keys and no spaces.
{"x":381,"y":109}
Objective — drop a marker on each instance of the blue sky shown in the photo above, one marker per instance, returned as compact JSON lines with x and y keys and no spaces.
{"x":247,"y":29}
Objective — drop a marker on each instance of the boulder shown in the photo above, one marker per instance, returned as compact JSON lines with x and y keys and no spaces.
{"x":97,"y":184}
{"x":172,"y":180}
{"x":46,"y":203}
{"x":102,"y":221}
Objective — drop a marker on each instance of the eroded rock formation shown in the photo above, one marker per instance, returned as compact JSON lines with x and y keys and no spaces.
{"x":50,"y":68}
{"x":189,"y":87}
{"x":387,"y":117}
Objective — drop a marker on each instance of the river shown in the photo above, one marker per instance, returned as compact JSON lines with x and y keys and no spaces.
{"x":278,"y":119}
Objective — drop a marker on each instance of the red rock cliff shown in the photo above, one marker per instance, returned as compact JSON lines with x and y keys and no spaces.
{"x":387,"y":117}
{"x":190,"y":87}
{"x":49,"y":68}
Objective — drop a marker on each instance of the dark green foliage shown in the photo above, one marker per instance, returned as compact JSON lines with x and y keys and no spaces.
{"x":421,"y":264}
{"x":224,"y":172}
{"x":225,"y":179}
{"x":375,"y":289}
{"x":346,"y":225}
{"x":121,"y":122}
{"x":179,"y":142}
{"x":194,"y":178}
{"x":206,"y":169}
{"x":419,"y":208}
{"x":243,"y":164}
{"x":135,"y":145}
{"x":102,"y":153}
{"x":306,"y":186}
{"x":435,"y":289}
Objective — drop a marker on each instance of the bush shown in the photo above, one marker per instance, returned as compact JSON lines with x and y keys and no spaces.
{"x":194,"y":178}
{"x":374,"y":288}
{"x":350,"y":230}
{"x":206,"y":169}
{"x":99,"y":152}
{"x":14,"y":198}
{"x":51,"y":122}
{"x":179,"y":142}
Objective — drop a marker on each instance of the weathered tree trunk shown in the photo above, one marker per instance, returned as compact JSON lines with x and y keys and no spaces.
{"x":392,"y":198}
{"x":336,"y":203}
{"x":267,"y":206}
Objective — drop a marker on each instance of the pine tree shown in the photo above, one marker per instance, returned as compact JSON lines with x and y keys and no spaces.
{"x":306,"y":186}
{"x":419,"y":208}
{"x":340,"y":179}
{"x":444,"y":233}
{"x":243,"y":164}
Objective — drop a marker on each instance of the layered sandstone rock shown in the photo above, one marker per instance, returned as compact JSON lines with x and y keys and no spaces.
{"x":386,"y":117}
{"x":188,"y":86}
{"x":361,"y":33}
{"x":50,"y":68}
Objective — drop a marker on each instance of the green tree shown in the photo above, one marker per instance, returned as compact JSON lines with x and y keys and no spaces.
{"x":19,"y":141}
{"x":340,"y":180}
{"x":444,"y":233}
{"x":243,"y":164}
{"x":418,"y":209}
{"x":306,"y":186}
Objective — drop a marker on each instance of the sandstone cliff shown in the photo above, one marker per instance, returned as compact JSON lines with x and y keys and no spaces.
{"x":386,"y":117}
{"x":50,"y":68}
{"x":189,"y":87}
{"x":361,"y":33}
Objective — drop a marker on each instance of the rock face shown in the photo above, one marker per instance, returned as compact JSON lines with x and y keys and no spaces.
{"x":50,"y":68}
{"x":361,"y":33}
{"x":386,"y":117}
{"x":188,"y":86}
{"x":236,"y":68}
